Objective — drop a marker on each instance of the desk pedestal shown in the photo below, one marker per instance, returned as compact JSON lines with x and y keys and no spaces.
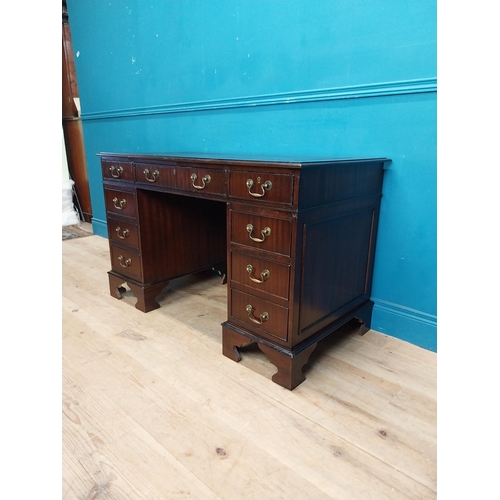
{"x":297,"y":239}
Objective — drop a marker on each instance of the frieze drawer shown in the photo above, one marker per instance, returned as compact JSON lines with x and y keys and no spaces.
{"x":198,"y":180}
{"x":156,"y":175}
{"x":118,"y":170}
{"x":261,"y":186}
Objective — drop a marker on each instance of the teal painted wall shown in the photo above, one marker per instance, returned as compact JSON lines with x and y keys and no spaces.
{"x":342,"y":78}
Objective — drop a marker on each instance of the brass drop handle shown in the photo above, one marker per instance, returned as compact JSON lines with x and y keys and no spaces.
{"x":265,"y":275}
{"x":116,"y":172}
{"x":121,"y":204}
{"x":266,"y":186}
{"x":126,"y":262}
{"x":155,"y":176}
{"x":262,"y":317}
{"x":265,"y":232}
{"x":122,"y":234}
{"x":205,"y":180}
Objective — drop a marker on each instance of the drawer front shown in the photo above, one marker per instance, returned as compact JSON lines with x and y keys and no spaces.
{"x":118,"y":170}
{"x":155,"y":175}
{"x":123,"y":232}
{"x":260,"y":316}
{"x":260,"y":186}
{"x":264,"y":233}
{"x":260,"y":274}
{"x":202,"y":180}
{"x":126,"y":262}
{"x":120,"y":202}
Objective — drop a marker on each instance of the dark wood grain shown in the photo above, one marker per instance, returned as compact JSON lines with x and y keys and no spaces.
{"x":277,"y":285}
{"x":216,"y":184}
{"x":290,"y":368}
{"x":126,"y":261}
{"x":275,"y":327}
{"x":123,"y":232}
{"x":72,"y":124}
{"x":335,"y":263}
{"x":155,"y":174}
{"x":118,"y":170}
{"x":179,"y":235}
{"x":281,"y":187}
{"x":120,"y":202}
{"x":278,"y":241}
{"x":321,"y":218}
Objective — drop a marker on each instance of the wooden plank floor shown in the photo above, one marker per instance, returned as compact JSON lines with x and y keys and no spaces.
{"x":152,"y":410}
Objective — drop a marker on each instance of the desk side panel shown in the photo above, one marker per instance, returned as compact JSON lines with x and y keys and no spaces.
{"x":336,"y":268}
{"x":326,"y":183}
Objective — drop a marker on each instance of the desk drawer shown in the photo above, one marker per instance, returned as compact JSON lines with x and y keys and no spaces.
{"x":259,"y":186}
{"x":202,"y":180}
{"x":152,"y":174}
{"x":120,"y":202}
{"x":260,"y":316}
{"x":118,"y":170}
{"x":260,"y":274}
{"x":265,"y":233}
{"x":123,"y":232}
{"x":127,"y":262}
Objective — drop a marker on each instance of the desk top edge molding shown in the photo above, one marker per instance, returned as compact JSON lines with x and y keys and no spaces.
{"x":299,"y":161}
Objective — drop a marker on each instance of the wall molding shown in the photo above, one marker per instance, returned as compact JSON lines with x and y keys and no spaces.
{"x":99,"y":227}
{"x":406,"y":312}
{"x":418,"y":86}
{"x":405,"y":323}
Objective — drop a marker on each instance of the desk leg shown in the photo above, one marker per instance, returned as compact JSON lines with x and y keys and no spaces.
{"x":289,"y":374}
{"x":146,"y":296}
{"x":115,"y":286}
{"x":364,"y":316}
{"x":231,"y":341}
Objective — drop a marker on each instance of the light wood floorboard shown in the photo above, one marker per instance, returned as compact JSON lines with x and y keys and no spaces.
{"x":152,"y":410}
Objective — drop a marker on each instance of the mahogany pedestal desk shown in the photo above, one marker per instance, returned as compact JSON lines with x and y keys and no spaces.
{"x":296,"y":236}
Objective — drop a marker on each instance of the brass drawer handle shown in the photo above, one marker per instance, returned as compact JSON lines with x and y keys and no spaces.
{"x":156,"y":174}
{"x":265,"y":232}
{"x":205,"y":180}
{"x":122,"y":234}
{"x":265,"y":187}
{"x":263,"y":317}
{"x":116,"y":172}
{"x":126,"y":262}
{"x":265,"y":275}
{"x":122,"y":203}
